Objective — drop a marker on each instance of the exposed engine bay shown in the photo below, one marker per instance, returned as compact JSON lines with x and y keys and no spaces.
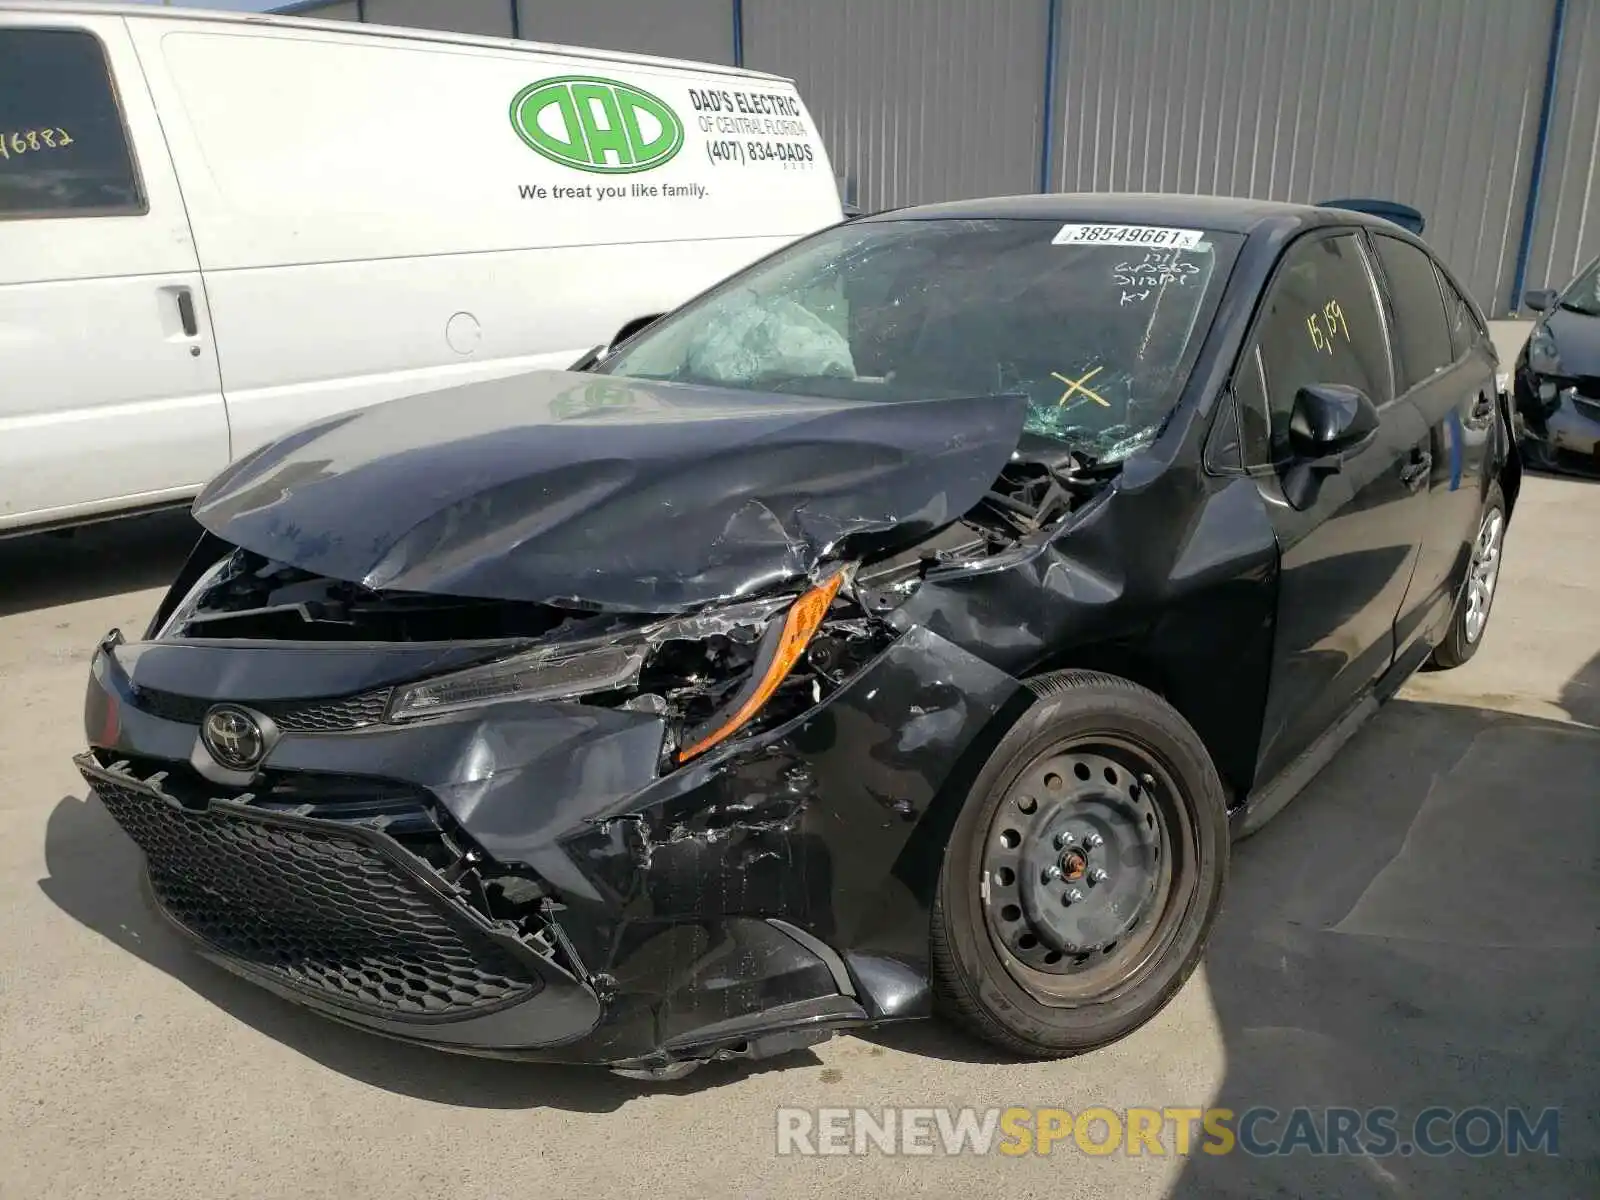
{"x":693,"y":669}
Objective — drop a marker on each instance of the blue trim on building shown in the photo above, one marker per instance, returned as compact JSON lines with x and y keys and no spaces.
{"x":1541,"y":147}
{"x":738,"y":33}
{"x":1047,"y":146}
{"x":516,"y":18}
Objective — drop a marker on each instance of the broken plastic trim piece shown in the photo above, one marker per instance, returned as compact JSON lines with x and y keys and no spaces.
{"x":566,"y":671}
{"x":777,"y":660}
{"x":219,"y":572}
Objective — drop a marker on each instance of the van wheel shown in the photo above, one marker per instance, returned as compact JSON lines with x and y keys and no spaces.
{"x":1471,"y":617}
{"x":1084,"y":872}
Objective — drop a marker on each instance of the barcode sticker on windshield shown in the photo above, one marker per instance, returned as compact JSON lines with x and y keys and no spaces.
{"x":1129,"y":235}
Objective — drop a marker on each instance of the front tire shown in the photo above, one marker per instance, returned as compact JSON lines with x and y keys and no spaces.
{"x":1084,"y":872}
{"x":1471,"y":617}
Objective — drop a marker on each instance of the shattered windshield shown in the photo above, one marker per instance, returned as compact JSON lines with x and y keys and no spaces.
{"x":1097,"y":324}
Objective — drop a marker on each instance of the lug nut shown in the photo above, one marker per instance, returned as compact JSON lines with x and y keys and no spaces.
{"x":1095,"y":841}
{"x":1098,"y":875}
{"x":1052,"y":873}
{"x":1064,"y":838}
{"x":1074,"y":896}
{"x":1148,"y":782}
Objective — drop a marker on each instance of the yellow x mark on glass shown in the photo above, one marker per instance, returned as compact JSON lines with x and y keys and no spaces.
{"x":1076,"y":385}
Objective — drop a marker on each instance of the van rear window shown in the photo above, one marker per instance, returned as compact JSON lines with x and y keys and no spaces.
{"x":63,"y":147}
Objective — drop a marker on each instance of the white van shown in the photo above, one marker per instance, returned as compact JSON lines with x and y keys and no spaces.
{"x":215,"y":228}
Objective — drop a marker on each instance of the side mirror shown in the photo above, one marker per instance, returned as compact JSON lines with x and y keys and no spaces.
{"x":588,"y":360}
{"x":1539,"y":299}
{"x":1330,"y":422}
{"x":637,"y":325}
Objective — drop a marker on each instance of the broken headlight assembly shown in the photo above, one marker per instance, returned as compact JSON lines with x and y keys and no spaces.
{"x":713,"y":674}
{"x":1544,"y":356}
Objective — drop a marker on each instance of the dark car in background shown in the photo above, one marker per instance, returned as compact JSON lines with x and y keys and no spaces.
{"x":906,"y":625}
{"x":1557,"y":377}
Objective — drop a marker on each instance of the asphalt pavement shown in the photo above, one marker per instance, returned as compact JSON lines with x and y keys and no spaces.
{"x":1421,"y":928}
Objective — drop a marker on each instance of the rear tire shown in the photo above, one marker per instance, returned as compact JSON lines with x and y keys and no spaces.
{"x":1084,"y":872}
{"x":1470,"y":621}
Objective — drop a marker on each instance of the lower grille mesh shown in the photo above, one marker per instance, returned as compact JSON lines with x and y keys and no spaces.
{"x":321,"y":910}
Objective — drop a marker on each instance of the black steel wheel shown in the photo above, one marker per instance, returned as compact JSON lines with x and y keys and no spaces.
{"x":1084,"y":872}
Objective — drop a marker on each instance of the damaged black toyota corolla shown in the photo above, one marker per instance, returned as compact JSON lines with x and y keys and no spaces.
{"x":903,"y":626}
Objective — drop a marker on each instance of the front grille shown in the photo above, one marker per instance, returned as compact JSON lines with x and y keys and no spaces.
{"x":340,"y":912}
{"x":292,"y":716}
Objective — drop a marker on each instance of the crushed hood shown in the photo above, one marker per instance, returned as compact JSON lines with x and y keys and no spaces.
{"x":560,"y":487}
{"x":1577,"y":340}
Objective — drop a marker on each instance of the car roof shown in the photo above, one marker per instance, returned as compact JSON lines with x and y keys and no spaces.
{"x":1222,"y":214}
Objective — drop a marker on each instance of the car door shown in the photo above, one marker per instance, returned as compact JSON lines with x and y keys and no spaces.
{"x":1452,"y":386}
{"x":1348,"y":548}
{"x":111,"y":397}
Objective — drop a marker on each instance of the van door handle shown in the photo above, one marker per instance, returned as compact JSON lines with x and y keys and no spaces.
{"x":191,"y":326}
{"x":1415,"y":473}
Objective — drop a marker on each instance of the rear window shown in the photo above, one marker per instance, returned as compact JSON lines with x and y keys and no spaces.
{"x":63,"y":148}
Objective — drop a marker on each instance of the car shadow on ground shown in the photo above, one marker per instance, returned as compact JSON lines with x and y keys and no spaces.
{"x":1560,"y":474}
{"x":94,"y":873}
{"x":1418,"y":928}
{"x":44,"y":570}
{"x":1581,"y":695}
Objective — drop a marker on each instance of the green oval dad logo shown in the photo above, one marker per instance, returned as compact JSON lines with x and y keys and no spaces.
{"x":596,"y":124}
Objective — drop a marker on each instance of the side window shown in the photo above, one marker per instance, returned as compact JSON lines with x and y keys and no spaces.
{"x":1255,"y":415}
{"x":1465,"y":328}
{"x":1320,"y":324}
{"x":1421,"y":328}
{"x":63,"y":149}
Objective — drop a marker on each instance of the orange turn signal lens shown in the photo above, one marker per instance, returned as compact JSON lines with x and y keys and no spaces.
{"x":800,"y":625}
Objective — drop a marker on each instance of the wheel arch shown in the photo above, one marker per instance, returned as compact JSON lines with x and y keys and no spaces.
{"x":1509,"y":475}
{"x":920,"y":860}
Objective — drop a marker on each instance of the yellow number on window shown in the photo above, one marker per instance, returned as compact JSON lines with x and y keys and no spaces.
{"x":1334,"y":315}
{"x":1319,"y":339}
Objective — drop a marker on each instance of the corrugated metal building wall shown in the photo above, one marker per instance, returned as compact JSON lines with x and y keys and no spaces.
{"x":1567,"y":228}
{"x":917,"y":100}
{"x":698,"y":29}
{"x":1290,"y":100}
{"x":1436,"y":103}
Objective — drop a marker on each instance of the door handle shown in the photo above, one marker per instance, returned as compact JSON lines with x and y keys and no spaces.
{"x":1415,"y":473}
{"x":191,"y":326}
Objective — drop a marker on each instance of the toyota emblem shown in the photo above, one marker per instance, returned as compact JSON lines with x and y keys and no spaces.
{"x":234,"y":738}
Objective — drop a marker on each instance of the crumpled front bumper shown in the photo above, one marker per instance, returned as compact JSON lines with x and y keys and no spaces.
{"x":340,"y":917}
{"x":776,"y":889}
{"x":1558,"y":425}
